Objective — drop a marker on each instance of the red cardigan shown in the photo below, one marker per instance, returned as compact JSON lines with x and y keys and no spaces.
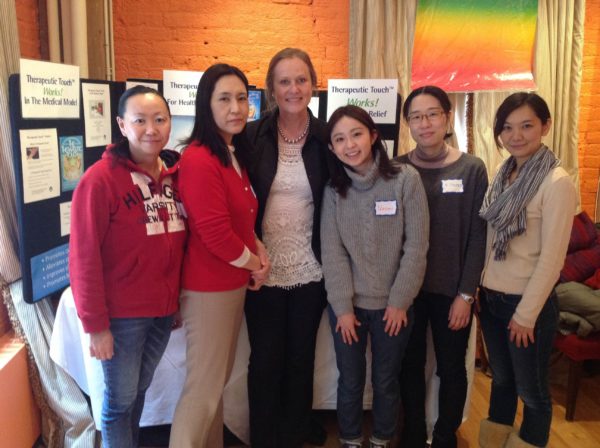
{"x":221,"y":209}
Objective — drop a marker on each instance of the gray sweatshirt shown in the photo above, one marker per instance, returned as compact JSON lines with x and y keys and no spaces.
{"x":374,"y":241}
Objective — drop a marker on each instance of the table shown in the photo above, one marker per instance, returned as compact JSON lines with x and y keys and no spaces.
{"x":69,"y":348}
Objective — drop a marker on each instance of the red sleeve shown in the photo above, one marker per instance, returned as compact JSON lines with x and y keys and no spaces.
{"x":90,"y":215}
{"x":204,"y":195}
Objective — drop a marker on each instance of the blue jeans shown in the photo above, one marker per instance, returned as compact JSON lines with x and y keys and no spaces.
{"x":450,"y":348}
{"x":139,"y":343}
{"x":387,"y":352}
{"x":519,"y":372}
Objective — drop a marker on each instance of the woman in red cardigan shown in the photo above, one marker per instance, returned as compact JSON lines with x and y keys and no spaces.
{"x":223,"y":257}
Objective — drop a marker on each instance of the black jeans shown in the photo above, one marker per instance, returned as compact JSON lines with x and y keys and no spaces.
{"x":450,"y":350}
{"x":282,"y":328}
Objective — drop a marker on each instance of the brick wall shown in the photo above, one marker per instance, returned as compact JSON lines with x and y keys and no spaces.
{"x":29,"y":28}
{"x":191,"y":35}
{"x":589,"y":112}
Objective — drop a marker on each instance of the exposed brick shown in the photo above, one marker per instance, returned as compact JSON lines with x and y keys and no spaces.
{"x":28,"y":24}
{"x":195,"y":34}
{"x":589,"y":113}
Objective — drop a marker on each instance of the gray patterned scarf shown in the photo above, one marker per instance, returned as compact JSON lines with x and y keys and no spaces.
{"x":505,"y":208}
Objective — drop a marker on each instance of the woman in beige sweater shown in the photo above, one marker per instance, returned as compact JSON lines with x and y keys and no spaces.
{"x":529,"y":208}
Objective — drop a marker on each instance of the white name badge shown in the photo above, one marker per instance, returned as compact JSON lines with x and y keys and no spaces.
{"x":452,"y":186}
{"x":385,"y":208}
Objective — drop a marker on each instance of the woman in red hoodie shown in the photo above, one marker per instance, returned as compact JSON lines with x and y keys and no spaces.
{"x":126,"y":248}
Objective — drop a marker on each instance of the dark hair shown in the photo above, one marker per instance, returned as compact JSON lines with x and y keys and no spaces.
{"x":286,"y":53}
{"x":434,"y":91}
{"x":205,"y":129}
{"x":121,"y":148}
{"x":340,"y":181}
{"x":512,"y":103}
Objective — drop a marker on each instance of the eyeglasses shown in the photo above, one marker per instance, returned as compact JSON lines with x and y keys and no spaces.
{"x":432,"y":116}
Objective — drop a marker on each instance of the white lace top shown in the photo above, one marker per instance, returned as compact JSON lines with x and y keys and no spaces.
{"x":287,"y":224}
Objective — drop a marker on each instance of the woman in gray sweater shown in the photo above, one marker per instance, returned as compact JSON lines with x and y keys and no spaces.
{"x":374,"y":238}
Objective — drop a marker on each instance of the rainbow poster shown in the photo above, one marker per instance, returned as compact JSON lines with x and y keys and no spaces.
{"x":468,"y":45}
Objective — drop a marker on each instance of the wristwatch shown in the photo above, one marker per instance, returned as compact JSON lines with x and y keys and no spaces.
{"x":467,"y":298}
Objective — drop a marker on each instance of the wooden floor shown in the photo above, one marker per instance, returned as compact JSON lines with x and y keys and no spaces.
{"x":584,"y":432}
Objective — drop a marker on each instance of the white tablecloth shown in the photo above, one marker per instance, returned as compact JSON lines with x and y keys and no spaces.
{"x":69,"y":348}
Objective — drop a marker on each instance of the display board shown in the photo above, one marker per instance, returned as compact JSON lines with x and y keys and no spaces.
{"x":50,"y":155}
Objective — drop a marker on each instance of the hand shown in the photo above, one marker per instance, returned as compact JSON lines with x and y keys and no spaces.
{"x":262,"y":254}
{"x":259,"y":276}
{"x":177,"y":321}
{"x":345,"y":325}
{"x":395,"y":319}
{"x":520,"y":334}
{"x":102,"y":345}
{"x":460,"y":314}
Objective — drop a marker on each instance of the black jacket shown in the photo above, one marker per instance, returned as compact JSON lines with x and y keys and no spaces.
{"x":262,"y":166}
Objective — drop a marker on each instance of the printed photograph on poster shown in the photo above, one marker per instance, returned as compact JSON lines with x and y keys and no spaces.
{"x":179,"y":89}
{"x":39,"y":159}
{"x":71,"y":161}
{"x":181,"y":129}
{"x":96,"y":114}
{"x":377,"y":96}
{"x":49,"y":90}
{"x":253,"y":105}
{"x":65,"y":218}
{"x":130,"y":84}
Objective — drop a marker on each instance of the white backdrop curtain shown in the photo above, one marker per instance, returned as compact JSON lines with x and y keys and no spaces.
{"x":557,"y":70}
{"x":381,"y":40}
{"x":66,"y":417}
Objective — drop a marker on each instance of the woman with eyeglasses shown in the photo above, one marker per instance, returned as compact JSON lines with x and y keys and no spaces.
{"x":455,"y":184}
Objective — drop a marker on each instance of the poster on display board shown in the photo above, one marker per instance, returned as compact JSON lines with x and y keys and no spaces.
{"x":39,"y":161}
{"x":49,"y":90}
{"x":377,"y":96}
{"x":132,"y":83}
{"x":96,"y":114}
{"x":179,"y":89}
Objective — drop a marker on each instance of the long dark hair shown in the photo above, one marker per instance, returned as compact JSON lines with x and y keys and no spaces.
{"x":340,"y":181}
{"x":512,"y":103}
{"x":205,"y":129}
{"x":121,"y":147}
{"x":434,"y":91}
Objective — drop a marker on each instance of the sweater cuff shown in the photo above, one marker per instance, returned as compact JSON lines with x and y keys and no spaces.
{"x":242,"y":259}
{"x":339,"y":309}
{"x":523,"y":322}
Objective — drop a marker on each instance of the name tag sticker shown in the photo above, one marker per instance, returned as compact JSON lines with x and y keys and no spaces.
{"x":385,"y":208}
{"x":452,"y":186}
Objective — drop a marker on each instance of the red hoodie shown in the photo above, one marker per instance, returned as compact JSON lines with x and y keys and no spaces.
{"x":127,"y":241}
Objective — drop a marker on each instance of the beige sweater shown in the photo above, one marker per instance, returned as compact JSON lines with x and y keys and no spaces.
{"x":535,"y":258}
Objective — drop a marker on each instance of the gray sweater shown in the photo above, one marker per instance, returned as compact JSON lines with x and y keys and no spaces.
{"x":456,"y":232}
{"x":374,"y":241}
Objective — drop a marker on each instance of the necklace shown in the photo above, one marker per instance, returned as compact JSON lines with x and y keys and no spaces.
{"x":423,"y":157}
{"x":293,"y":140}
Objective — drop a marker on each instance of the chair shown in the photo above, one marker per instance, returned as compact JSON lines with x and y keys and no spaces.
{"x":577,"y":350}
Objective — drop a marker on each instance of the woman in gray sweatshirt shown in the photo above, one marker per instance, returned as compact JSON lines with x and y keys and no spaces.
{"x":374,"y":238}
